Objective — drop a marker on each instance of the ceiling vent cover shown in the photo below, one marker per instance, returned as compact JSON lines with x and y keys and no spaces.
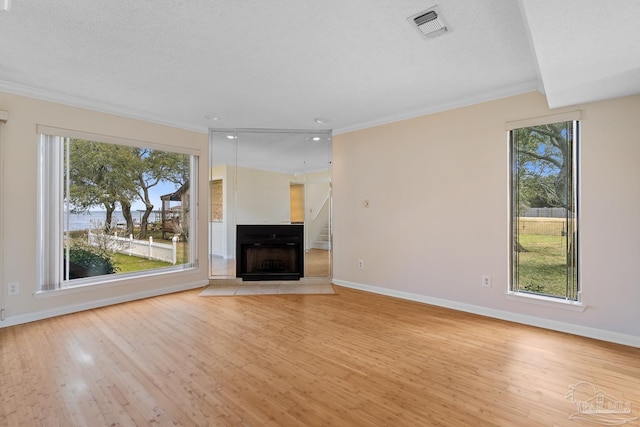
{"x":430,"y":23}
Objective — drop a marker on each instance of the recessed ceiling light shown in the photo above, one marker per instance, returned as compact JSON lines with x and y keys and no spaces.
{"x":232,"y":137}
{"x":316,"y":138}
{"x":321,"y":120}
{"x":211,"y":117}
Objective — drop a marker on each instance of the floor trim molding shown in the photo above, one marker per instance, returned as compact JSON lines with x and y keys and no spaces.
{"x":599,"y":334}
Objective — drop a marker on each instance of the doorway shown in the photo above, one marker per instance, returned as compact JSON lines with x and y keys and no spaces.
{"x":296,"y":201}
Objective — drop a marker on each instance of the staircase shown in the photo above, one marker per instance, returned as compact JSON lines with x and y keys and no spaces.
{"x":323,"y":239}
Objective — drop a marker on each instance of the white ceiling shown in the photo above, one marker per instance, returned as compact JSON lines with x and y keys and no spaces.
{"x":586,"y":50}
{"x":282,"y":63}
{"x":292,"y":152}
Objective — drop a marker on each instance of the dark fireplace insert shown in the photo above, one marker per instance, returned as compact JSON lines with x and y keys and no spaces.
{"x":270,"y":252}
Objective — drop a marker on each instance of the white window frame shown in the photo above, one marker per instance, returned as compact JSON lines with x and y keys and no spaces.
{"x":51,"y":164}
{"x":528,"y":297}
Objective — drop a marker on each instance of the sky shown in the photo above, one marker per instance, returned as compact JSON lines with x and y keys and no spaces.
{"x":155,"y":192}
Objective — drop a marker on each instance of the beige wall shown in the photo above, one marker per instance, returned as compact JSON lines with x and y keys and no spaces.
{"x":431,"y":180}
{"x":262,"y":197}
{"x":425,"y":178}
{"x":19,"y":209}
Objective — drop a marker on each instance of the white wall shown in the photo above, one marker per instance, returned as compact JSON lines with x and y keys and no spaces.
{"x":317,"y":190}
{"x":437,"y":220}
{"x":317,"y":205}
{"x":19,"y":208}
{"x":262,"y":197}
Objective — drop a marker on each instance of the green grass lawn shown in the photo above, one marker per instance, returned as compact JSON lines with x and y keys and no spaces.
{"x":127,"y":264}
{"x":543,"y":267}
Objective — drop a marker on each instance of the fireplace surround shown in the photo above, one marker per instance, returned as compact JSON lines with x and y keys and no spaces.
{"x":270,"y":251}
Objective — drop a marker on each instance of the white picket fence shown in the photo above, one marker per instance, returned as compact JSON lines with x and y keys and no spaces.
{"x":140,"y":248}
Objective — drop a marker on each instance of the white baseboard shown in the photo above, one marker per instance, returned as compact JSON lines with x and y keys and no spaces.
{"x":599,"y":334}
{"x":59,"y":311}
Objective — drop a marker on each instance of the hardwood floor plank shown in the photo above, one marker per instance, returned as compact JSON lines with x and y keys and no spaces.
{"x":352,"y":359}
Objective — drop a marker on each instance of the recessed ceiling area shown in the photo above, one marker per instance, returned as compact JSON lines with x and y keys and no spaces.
{"x":284,"y":63}
{"x":586,"y":50}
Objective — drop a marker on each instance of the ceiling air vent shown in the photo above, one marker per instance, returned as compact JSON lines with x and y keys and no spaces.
{"x":430,"y":23}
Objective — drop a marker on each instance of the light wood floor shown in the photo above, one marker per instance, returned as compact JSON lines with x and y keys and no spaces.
{"x":351,"y":359}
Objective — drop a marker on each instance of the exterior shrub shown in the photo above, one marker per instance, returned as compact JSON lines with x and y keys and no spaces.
{"x":91,"y":262}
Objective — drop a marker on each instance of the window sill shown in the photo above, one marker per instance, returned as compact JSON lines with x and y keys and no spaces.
{"x":546,"y":301}
{"x":110,"y":282}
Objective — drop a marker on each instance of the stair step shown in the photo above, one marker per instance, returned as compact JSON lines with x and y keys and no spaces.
{"x":323,"y":240}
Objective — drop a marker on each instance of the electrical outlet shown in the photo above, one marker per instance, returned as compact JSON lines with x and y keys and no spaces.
{"x":486,"y":281}
{"x":361,"y":264}
{"x":13,"y":288}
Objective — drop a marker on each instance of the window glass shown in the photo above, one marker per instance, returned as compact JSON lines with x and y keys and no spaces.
{"x":111,"y":209}
{"x":544,"y":210}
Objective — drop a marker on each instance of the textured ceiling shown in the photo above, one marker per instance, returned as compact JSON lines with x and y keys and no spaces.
{"x":282,"y":63}
{"x":586,"y":50}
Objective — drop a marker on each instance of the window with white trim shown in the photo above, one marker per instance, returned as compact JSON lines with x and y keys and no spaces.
{"x":111,"y":208}
{"x":544,"y":209}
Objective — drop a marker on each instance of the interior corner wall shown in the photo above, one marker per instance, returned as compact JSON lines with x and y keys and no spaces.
{"x":19,"y":194}
{"x":437,"y":218}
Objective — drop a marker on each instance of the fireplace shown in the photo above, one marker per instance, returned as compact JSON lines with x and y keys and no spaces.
{"x":270,"y":252}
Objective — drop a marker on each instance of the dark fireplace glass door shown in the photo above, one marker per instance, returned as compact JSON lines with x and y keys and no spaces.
{"x":270,"y":252}
{"x":270,"y":259}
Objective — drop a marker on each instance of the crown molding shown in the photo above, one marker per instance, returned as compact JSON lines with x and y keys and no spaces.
{"x":102,"y":107}
{"x":504,"y":92}
{"x":73,"y":101}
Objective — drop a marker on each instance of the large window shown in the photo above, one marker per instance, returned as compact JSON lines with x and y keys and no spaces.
{"x":544,"y":210}
{"x":111,"y":208}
